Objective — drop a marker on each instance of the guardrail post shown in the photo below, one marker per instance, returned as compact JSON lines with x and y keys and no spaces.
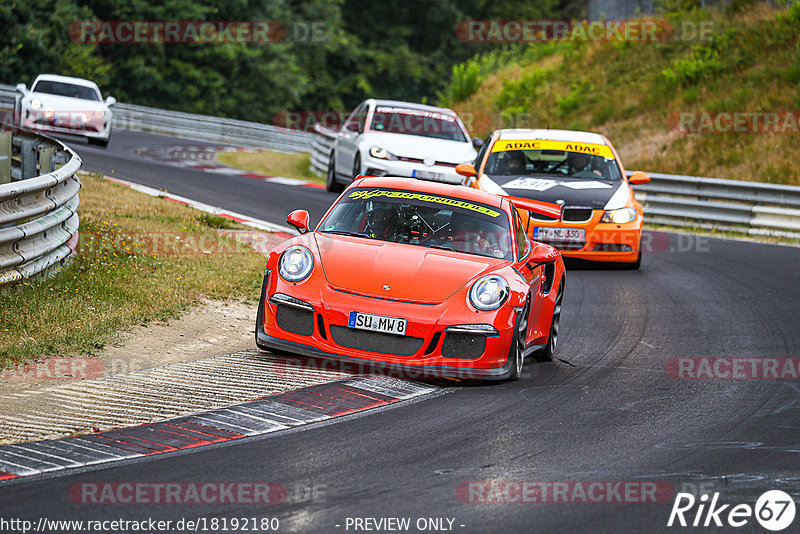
{"x":46,"y":159}
{"x":5,"y":157}
{"x":28,"y":158}
{"x":59,"y":160}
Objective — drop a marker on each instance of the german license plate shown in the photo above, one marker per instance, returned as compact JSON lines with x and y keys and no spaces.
{"x":572,"y":235}
{"x":377,"y":323}
{"x":427,"y":175}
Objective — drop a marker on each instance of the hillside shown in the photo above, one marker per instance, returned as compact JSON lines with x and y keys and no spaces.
{"x":726,"y":105}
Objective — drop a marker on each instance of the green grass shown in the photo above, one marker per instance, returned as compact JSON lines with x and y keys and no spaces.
{"x":633,"y":91}
{"x":272,"y":164}
{"x":141,"y":259}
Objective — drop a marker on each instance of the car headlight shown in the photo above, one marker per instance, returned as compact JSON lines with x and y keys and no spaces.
{"x":36,"y":103}
{"x":620,"y":216}
{"x":488,"y":292}
{"x":85,"y":117}
{"x":381,"y":153}
{"x":99,"y":113}
{"x":296,"y":263}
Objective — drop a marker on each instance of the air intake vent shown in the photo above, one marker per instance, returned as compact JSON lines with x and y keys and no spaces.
{"x":376,"y":341}
{"x":612,"y":247}
{"x":467,"y":346}
{"x":295,"y":320}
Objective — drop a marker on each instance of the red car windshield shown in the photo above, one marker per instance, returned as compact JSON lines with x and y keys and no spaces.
{"x":421,"y":219}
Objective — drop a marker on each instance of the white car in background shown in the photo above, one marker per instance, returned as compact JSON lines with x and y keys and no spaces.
{"x":61,"y":104}
{"x":391,"y":138}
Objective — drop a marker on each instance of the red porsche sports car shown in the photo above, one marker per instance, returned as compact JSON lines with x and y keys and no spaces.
{"x":430,"y":279}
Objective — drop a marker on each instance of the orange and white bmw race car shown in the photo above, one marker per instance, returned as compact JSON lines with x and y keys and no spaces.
{"x":600,"y":217}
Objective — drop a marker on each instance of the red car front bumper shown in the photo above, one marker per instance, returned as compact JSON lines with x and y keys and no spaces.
{"x":316,"y":326}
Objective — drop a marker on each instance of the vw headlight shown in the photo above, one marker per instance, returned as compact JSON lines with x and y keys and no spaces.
{"x":381,"y":153}
{"x":296,"y":263}
{"x":620,"y":216}
{"x":36,"y":103}
{"x":488,"y":292}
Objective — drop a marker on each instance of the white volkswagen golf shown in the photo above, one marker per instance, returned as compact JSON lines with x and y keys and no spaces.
{"x":62,"y":104}
{"x":391,"y":138}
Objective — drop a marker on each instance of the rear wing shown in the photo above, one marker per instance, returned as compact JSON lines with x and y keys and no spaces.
{"x":532,"y":210}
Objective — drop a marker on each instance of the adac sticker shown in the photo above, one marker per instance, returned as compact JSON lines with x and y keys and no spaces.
{"x":364,"y":194}
{"x":568,"y":146}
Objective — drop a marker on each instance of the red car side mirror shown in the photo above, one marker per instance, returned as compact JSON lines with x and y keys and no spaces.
{"x":298,"y":219}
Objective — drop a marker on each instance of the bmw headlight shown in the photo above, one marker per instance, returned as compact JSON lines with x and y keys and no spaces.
{"x":36,"y":103}
{"x":620,"y":216}
{"x":296,"y":263}
{"x":381,"y":153}
{"x":488,"y":292}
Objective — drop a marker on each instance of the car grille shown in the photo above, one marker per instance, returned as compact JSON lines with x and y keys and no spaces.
{"x":563,"y":245}
{"x":466,"y":346}
{"x":577,"y":214}
{"x":612,"y":247}
{"x":295,"y":320}
{"x":376,"y":341}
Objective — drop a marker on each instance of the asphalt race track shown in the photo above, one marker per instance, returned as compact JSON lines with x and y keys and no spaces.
{"x":250,"y":196}
{"x":609,"y":411}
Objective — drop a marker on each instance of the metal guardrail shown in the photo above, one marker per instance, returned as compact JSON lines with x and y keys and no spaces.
{"x":321,"y":149}
{"x":673,"y":200}
{"x":712,"y":203}
{"x":193,"y":126}
{"x":38,"y":205}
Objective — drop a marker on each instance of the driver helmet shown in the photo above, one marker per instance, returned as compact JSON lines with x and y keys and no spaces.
{"x":579,"y":161}
{"x":382,"y":219}
{"x":514,"y":162}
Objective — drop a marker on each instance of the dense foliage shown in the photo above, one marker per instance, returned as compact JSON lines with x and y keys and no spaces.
{"x":402,"y":49}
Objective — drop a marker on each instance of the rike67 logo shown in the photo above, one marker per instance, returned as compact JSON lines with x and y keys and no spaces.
{"x":774,"y":510}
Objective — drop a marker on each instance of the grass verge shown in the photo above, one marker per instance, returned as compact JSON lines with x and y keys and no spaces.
{"x":141,"y":259}
{"x":668,"y":104}
{"x":272,"y":164}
